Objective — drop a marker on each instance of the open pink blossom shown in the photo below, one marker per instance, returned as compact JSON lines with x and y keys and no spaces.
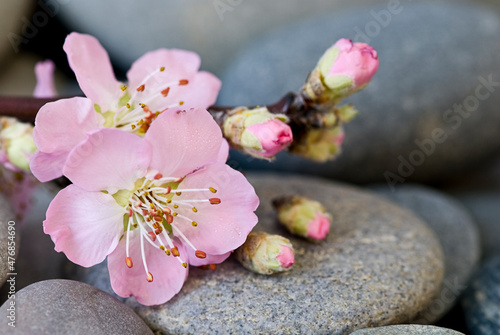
{"x":161,"y":80}
{"x":153,"y":205}
{"x":348,"y":67}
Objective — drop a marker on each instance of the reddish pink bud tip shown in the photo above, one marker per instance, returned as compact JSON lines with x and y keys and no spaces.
{"x":319,"y":227}
{"x":152,"y":235}
{"x":286,"y":257}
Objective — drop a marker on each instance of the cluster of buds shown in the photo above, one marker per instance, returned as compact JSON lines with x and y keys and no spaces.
{"x":303,"y":217}
{"x":257,"y":132}
{"x":16,"y":144}
{"x":266,"y":254}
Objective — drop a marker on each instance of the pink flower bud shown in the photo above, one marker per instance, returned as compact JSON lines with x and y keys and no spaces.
{"x":286,"y":257}
{"x":303,"y":217}
{"x":318,"y":227}
{"x":343,"y":69}
{"x":273,"y":135}
{"x":347,"y":60}
{"x":45,"y":87}
{"x":257,"y":131}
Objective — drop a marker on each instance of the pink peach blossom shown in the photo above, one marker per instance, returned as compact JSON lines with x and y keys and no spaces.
{"x":152,"y":205}
{"x":161,"y":80}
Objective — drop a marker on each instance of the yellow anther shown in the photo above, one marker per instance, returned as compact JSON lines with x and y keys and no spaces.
{"x":181,"y":103}
{"x":167,"y":251}
{"x":184,"y":265}
{"x":194,"y":223}
{"x":176,"y":206}
{"x":162,"y":247}
{"x":174,"y":214}
{"x":195,"y":210}
{"x":128,"y":105}
{"x":124,"y":87}
{"x":213,"y":190}
{"x":162,"y":68}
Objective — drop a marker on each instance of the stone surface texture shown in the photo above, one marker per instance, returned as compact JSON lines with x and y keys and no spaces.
{"x":482,"y":300}
{"x":407,"y":330}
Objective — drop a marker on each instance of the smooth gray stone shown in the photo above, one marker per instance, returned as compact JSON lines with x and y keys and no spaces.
{"x":482,"y":300}
{"x":479,"y":191}
{"x":63,"y":307}
{"x":433,"y":55}
{"x":214,"y":29}
{"x":379,"y":265}
{"x":407,"y":330}
{"x":459,"y":237}
{"x":8,"y":238}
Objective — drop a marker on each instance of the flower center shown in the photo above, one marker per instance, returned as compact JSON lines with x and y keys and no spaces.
{"x":153,"y":208}
{"x":133,"y":114}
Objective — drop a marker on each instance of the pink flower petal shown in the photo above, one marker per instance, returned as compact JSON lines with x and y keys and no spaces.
{"x":184,"y":141}
{"x":92,"y":67}
{"x":86,"y":226}
{"x":109,"y":159}
{"x":223,"y":227}
{"x":45,"y":87}
{"x":199,"y":89}
{"x":62,"y":124}
{"x":168,"y":273}
{"x":210,"y":259}
{"x":223,"y":152}
{"x":177,"y":63}
{"x":46,"y":167}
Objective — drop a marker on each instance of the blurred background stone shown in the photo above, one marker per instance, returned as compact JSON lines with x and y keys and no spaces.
{"x":457,"y":233}
{"x":482,"y":300}
{"x":433,"y":55}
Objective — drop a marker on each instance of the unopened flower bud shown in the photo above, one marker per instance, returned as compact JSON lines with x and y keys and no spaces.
{"x":266,"y":254}
{"x":16,"y":143}
{"x":45,"y":87}
{"x":319,"y":144}
{"x":257,"y":132}
{"x":343,"y":69}
{"x":303,"y":217}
